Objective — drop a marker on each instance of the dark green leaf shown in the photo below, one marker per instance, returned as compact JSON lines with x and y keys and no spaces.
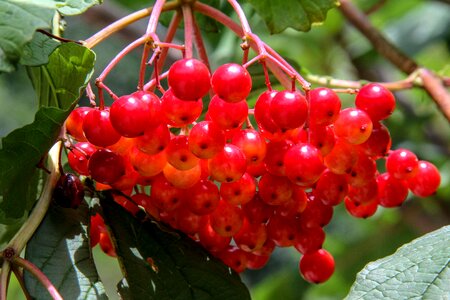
{"x":60,"y":248}
{"x":18,"y":21}
{"x":163,"y":264}
{"x":297,"y":14}
{"x":58,"y":83}
{"x":36,"y":52}
{"x":418,"y":270}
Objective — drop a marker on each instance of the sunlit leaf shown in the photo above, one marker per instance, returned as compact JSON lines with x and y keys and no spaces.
{"x":418,"y":270}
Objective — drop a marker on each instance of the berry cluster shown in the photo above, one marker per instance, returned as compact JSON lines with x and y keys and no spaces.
{"x":242,"y":180}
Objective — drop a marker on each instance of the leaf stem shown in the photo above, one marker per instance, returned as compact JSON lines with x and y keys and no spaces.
{"x":19,"y":275}
{"x":36,"y":272}
{"x":19,"y":241}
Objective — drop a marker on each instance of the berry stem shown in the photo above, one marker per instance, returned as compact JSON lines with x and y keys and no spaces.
{"x":199,"y":44}
{"x":188,"y":30}
{"x":120,"y":56}
{"x":90,"y":94}
{"x":4,"y":279}
{"x":171,"y":31}
{"x":24,"y":234}
{"x":36,"y":272}
{"x":274,"y":61}
{"x":19,"y":275}
{"x":145,"y":54}
{"x":124,"y":22}
{"x":154,"y":17}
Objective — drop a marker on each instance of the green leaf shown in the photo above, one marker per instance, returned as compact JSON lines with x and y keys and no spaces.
{"x":75,"y":7}
{"x":18,"y":21}
{"x":36,"y":52}
{"x":58,"y":83}
{"x":163,"y":264}
{"x":297,"y":14}
{"x":418,"y":270}
{"x":60,"y":248}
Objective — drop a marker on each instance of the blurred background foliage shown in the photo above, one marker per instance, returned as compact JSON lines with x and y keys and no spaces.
{"x":421,"y":28}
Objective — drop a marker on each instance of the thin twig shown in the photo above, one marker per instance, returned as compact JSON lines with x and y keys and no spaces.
{"x":19,"y":276}
{"x":436,"y":89}
{"x":4,"y":279}
{"x":358,"y":19}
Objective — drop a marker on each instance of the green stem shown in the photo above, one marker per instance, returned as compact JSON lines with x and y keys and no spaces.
{"x":27,"y":230}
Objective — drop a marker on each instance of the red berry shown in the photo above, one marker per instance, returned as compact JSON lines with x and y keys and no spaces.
{"x":130,"y":115}
{"x":189,"y":79}
{"x":78,"y":157}
{"x":227,"y":115}
{"x":98,"y":129}
{"x":74,"y":122}
{"x":353,"y":125}
{"x":206,"y":139}
{"x":180,"y":113}
{"x":288,"y":109}
{"x":317,"y":266}
{"x":426,"y":181}
{"x":106,"y":166}
{"x":227,"y":219}
{"x":228,"y":165}
{"x":325,"y":106}
{"x":377,"y":101}
{"x":304,"y":164}
{"x":391,"y":191}
{"x":402,"y":164}
{"x":231,"y":82}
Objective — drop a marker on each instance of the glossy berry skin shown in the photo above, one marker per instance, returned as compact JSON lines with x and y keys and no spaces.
{"x":228,"y":165}
{"x":180,"y":113}
{"x":227,"y":115}
{"x":74,"y":122}
{"x":69,"y":191}
{"x":154,"y":104}
{"x":78,"y":157}
{"x":379,"y":142}
{"x":189,"y":79}
{"x":154,"y":140}
{"x":203,"y":197}
{"x":106,"y":166}
{"x":426,"y":181}
{"x":309,"y":239}
{"x":317,"y":266}
{"x":226,"y":219}
{"x":98,"y":129}
{"x":239,"y":192}
{"x":275,"y":190}
{"x":210,"y":239}
{"x":179,"y":155}
{"x":402,"y":164}
{"x":361,"y":210}
{"x":129,"y":115}
{"x":331,"y":188}
{"x":251,"y":236}
{"x":288,"y":110}
{"x":391,"y":191}
{"x":252,"y":144}
{"x":353,"y":125}
{"x":206,"y":139}
{"x":304,"y":164}
{"x":377,"y":101}
{"x":262,"y":113}
{"x":325,"y":106}
{"x":231,"y":82}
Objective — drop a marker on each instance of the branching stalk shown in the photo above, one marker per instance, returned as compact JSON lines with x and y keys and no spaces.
{"x":36,"y":272}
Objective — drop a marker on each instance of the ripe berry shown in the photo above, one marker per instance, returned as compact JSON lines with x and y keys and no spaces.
{"x":189,"y":79}
{"x":147,"y":165}
{"x":317,"y":266}
{"x":391,"y":191}
{"x":182,"y":179}
{"x":304,"y":164}
{"x":251,"y":236}
{"x":98,"y":129}
{"x":379,"y":142}
{"x":226,"y":219}
{"x":275,"y":190}
{"x":154,"y":140}
{"x":325,"y":106}
{"x":74,"y":122}
{"x":426,"y":181}
{"x":129,"y":116}
{"x":361,"y":210}
{"x":206,"y":139}
{"x":262,"y":114}
{"x":239,"y":192}
{"x":377,"y":101}
{"x":251,"y":143}
{"x":288,"y":110}
{"x":210,"y":239}
{"x":228,"y":165}
{"x":78,"y":157}
{"x":180,"y":113}
{"x":179,"y":155}
{"x":353,"y":125}
{"x":203,"y":197}
{"x":331,"y":188}
{"x":106,"y":166}
{"x":402,"y":164}
{"x":231,"y":82}
{"x":227,"y":115}
{"x":309,"y":239}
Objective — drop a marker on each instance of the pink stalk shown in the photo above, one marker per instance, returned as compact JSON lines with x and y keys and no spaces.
{"x":36,"y":272}
{"x":188,"y":30}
